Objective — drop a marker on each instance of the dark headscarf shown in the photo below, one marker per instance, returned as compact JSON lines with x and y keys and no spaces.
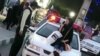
{"x":34,"y":4}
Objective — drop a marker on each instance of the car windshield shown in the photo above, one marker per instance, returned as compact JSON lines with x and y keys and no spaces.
{"x":47,"y":29}
{"x":96,"y":38}
{"x":42,"y":22}
{"x":74,"y":44}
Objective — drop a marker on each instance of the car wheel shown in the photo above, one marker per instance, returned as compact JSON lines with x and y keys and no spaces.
{"x":98,"y":54}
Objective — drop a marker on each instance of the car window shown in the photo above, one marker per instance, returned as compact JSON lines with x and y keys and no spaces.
{"x":96,"y":38}
{"x":47,"y":29}
{"x":74,"y":44}
{"x":42,"y":22}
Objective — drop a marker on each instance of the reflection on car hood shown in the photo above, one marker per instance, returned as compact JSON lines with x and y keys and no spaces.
{"x":92,"y":42}
{"x":70,"y":53}
{"x":40,"y":42}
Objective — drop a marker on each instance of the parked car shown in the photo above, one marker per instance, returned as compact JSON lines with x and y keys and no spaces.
{"x":40,"y":40}
{"x":91,"y":45}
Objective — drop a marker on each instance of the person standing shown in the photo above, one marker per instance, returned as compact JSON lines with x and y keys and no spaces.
{"x":67,"y":32}
{"x":21,"y":29}
{"x":8,"y":19}
{"x":96,"y":30}
{"x":13,"y":15}
{"x":87,"y":31}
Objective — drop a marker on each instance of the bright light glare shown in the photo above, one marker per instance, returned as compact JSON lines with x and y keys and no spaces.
{"x":52,"y":17}
{"x":21,"y":1}
{"x":72,"y":14}
{"x":43,"y":3}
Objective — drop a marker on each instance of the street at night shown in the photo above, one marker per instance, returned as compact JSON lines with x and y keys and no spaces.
{"x":49,"y":27}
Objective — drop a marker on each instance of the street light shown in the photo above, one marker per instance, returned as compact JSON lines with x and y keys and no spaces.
{"x":72,"y":14}
{"x":43,"y":3}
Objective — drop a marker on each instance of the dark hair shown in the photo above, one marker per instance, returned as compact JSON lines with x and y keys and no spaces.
{"x":34,"y":4}
{"x":27,"y":4}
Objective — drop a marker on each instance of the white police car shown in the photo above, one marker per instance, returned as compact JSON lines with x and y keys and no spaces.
{"x":91,"y":46}
{"x":43,"y":35}
{"x":39,"y":42}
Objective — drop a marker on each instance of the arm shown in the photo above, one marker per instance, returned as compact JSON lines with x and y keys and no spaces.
{"x":33,"y":17}
{"x":24,"y":18}
{"x":61,"y":28}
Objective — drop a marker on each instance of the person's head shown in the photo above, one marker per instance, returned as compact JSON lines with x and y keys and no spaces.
{"x":67,"y":21}
{"x":22,"y":4}
{"x":26,"y":4}
{"x":34,"y":5}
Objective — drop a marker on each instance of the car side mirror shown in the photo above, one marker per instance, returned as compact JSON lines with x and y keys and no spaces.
{"x":57,"y":34}
{"x":54,"y":36}
{"x":32,"y":29}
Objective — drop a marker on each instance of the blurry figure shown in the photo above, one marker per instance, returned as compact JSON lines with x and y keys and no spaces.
{"x":13,"y":15}
{"x":99,"y":33}
{"x":22,"y":28}
{"x":2,"y":3}
{"x":8,"y":19}
{"x":16,"y":11}
{"x":67,"y":32}
{"x":96,"y":32}
{"x":38,"y":15}
{"x":87,"y":31}
{"x":78,"y":25}
{"x":65,"y":28}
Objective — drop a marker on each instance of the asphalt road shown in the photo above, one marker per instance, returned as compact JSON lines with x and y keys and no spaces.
{"x":4,"y":50}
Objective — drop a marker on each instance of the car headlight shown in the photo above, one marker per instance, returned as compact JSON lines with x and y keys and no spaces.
{"x":34,"y":47}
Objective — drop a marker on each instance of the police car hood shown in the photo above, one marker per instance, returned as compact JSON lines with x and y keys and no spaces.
{"x":70,"y":53}
{"x":40,"y":41}
{"x":91,"y":42}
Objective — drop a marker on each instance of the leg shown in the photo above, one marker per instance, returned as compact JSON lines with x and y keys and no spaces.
{"x":16,"y":45}
{"x":8,"y":25}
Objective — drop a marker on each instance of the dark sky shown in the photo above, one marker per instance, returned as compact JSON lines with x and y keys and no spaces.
{"x":70,"y":5}
{"x":94,"y":11}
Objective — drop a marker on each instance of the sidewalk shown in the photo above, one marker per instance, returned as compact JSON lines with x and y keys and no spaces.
{"x":6,"y":36}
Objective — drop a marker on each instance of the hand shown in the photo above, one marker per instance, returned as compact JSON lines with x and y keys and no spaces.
{"x":67,"y":47}
{"x":20,"y":32}
{"x":64,"y":41}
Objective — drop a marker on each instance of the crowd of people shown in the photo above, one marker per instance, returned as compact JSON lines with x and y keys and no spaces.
{"x":88,"y":31}
{"x":20,"y":15}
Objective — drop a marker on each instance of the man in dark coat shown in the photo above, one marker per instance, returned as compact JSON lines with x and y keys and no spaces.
{"x":21,"y":29}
